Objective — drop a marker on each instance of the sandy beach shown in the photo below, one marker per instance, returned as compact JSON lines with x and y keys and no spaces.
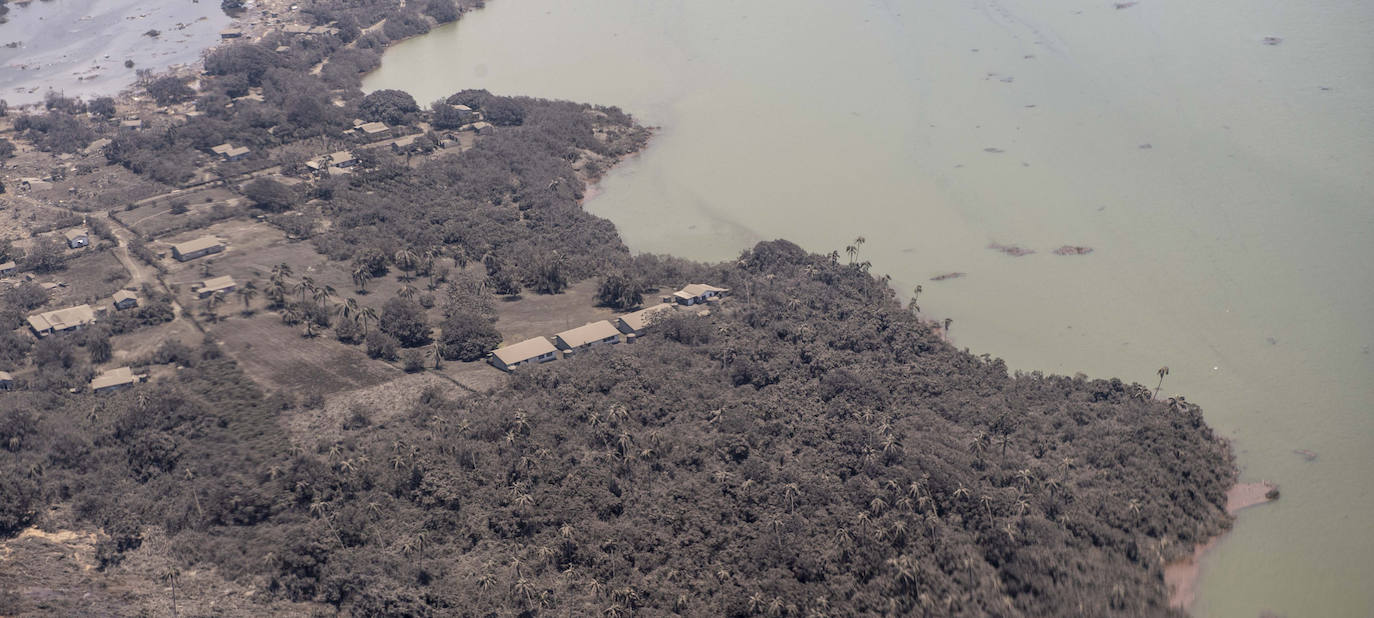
{"x":1182,"y":576}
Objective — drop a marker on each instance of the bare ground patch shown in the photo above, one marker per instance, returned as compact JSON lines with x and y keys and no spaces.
{"x":277,"y":357}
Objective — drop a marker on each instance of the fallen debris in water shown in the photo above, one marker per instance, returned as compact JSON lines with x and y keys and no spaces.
{"x":1073,"y":250}
{"x":1012,"y":250}
{"x":955,"y":275}
{"x":1306,"y":454}
{"x":1272,"y":40}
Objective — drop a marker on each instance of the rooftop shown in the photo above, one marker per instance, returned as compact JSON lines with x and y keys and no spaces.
{"x":216,"y":284}
{"x":74,"y":234}
{"x":124,"y":295}
{"x":372,"y":127}
{"x":639,"y":319}
{"x":697,"y":289}
{"x":62,"y":319}
{"x":525,"y":350}
{"x":119,"y":376}
{"x":588,"y":333}
{"x":199,"y":244}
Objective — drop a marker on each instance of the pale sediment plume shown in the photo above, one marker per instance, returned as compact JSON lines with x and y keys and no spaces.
{"x":1181,"y":576}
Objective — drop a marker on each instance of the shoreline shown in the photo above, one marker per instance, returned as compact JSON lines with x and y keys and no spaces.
{"x":1181,"y":576}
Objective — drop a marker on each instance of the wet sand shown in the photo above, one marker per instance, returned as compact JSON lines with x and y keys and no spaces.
{"x":1181,"y":577}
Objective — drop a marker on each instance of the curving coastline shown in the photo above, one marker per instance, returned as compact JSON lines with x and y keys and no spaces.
{"x":1181,"y":576}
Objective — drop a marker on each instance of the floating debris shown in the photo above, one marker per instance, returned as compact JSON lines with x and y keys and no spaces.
{"x":1125,"y":5}
{"x":1073,"y":250}
{"x":994,"y":150}
{"x":1306,"y":454}
{"x":1145,"y":146}
{"x":1271,"y":40}
{"x":945,"y":276}
{"x":1012,"y":250}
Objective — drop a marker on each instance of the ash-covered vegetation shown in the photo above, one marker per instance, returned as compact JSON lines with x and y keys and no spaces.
{"x":813,"y":448}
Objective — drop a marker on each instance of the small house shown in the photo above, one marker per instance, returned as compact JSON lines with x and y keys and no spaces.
{"x":587,"y":336}
{"x":6,"y":381}
{"x":192,"y":249}
{"x":530,"y":351}
{"x":125,"y":299}
{"x":405,"y":144}
{"x":370,"y":129}
{"x":77,"y":239}
{"x":697,"y":293}
{"x":295,"y":29}
{"x":214,"y":284}
{"x":340,"y":159}
{"x":8,"y":268}
{"x":132,"y":124}
{"x":115,"y":379}
{"x":230,"y":33}
{"x":482,"y":128}
{"x":61,"y":320}
{"x":635,"y":323}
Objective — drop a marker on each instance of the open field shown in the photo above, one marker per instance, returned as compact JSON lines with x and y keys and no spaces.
{"x":89,"y":278}
{"x":144,"y":341}
{"x":277,"y":357}
{"x":539,"y":314}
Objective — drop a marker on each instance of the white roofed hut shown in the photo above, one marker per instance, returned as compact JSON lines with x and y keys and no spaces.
{"x":530,"y":351}
{"x":635,"y":323}
{"x":216,"y":284}
{"x":125,"y":299}
{"x":697,"y":293}
{"x":587,"y":336}
{"x":115,"y":379}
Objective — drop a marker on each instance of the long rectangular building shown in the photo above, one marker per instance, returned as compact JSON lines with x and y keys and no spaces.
{"x":192,"y":249}
{"x":530,"y":351}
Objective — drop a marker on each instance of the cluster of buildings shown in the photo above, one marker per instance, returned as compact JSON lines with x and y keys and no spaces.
{"x":603,"y":332}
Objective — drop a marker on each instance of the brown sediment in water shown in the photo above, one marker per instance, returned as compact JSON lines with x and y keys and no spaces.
{"x":1181,"y":576}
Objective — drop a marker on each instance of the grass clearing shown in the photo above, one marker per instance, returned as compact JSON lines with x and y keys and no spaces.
{"x":278,"y":357}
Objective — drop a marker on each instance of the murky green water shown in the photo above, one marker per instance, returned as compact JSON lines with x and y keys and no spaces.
{"x":1225,"y":185}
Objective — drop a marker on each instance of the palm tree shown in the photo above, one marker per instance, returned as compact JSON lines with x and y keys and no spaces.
{"x":852,"y":251}
{"x":407,"y":291}
{"x":405,"y":260}
{"x":915,"y":295}
{"x":361,"y":276}
{"x":246,"y":294}
{"x":365,"y":314}
{"x":170,"y":576}
{"x":211,"y":303}
{"x":1163,"y":371}
{"x":347,"y":309}
{"x":323,"y":293}
{"x":306,"y":284}
{"x":281,"y":271}
{"x":276,"y":292}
